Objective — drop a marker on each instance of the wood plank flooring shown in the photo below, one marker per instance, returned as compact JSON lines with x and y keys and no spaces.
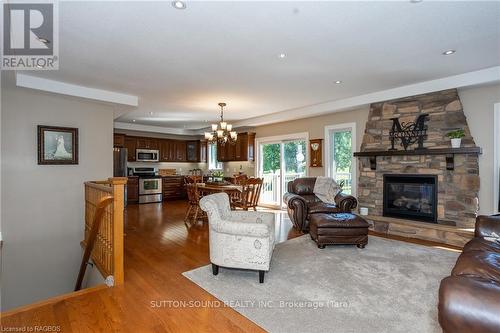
{"x":158,"y":248}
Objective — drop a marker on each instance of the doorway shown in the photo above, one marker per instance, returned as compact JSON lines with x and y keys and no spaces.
{"x":280,"y":160}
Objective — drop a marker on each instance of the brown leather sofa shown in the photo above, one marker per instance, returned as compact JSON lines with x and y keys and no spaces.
{"x":301,"y":202}
{"x":469,"y":299}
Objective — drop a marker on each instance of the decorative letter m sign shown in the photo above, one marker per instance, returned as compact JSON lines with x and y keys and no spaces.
{"x":409,"y":133}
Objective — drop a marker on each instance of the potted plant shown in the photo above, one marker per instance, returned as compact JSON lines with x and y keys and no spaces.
{"x":218,"y":176}
{"x":456,"y":137}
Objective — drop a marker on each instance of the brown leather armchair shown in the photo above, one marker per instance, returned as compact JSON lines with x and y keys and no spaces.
{"x":301,"y":202}
{"x":469,"y":299}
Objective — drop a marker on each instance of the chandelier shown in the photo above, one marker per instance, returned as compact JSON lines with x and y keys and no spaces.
{"x":222,"y":133}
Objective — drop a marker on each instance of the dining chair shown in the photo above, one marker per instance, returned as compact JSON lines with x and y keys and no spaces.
{"x":240,"y":179}
{"x":193,"y":212}
{"x":193,"y":179}
{"x":250,"y":194}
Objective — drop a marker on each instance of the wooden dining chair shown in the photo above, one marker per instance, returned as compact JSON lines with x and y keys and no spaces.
{"x":193,"y":179}
{"x":240,"y":179}
{"x":193,"y":213}
{"x":250,"y":194}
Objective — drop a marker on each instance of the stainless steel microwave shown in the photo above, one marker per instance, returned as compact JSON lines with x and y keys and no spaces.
{"x":147,"y":155}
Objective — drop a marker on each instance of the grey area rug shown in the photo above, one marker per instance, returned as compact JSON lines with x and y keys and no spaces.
{"x":390,"y":286}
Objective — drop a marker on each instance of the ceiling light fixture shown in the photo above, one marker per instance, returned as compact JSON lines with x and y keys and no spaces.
{"x":179,"y":4}
{"x":449,"y":52}
{"x":338,"y":82}
{"x":282,"y":55}
{"x":133,"y":120}
{"x":224,"y":134}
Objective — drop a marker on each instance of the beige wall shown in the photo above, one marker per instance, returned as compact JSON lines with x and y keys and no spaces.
{"x":478,"y":103}
{"x":43,"y":208}
{"x":316,"y":128}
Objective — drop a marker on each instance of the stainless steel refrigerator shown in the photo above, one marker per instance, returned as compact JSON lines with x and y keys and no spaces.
{"x":120,"y":165}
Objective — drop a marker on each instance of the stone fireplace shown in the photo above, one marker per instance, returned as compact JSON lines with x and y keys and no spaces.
{"x":429,"y":190}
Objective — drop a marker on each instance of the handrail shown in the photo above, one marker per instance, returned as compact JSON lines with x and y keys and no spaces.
{"x":107,"y":250}
{"x":90,"y":241}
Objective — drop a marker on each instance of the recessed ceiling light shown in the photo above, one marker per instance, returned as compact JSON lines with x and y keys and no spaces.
{"x":338,"y":82}
{"x":133,"y":120}
{"x":449,"y":52}
{"x":282,"y":55}
{"x":179,"y":4}
{"x":43,"y":40}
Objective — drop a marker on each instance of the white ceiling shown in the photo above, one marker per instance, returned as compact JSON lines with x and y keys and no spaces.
{"x":181,"y":63}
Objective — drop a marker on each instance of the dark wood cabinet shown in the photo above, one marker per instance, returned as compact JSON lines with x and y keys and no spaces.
{"x":242,"y":150}
{"x":203,"y":151}
{"x":170,"y":150}
{"x":119,"y":140}
{"x":133,"y":189}
{"x":167,"y":151}
{"x":180,"y":151}
{"x":147,"y":143}
{"x":193,"y":151}
{"x":130,"y":144}
{"x":173,"y":187}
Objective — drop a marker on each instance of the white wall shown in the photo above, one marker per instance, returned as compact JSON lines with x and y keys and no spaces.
{"x":478,"y":103}
{"x":43,"y":209}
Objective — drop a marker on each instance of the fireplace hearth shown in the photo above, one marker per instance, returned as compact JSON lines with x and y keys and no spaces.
{"x":412,"y":197}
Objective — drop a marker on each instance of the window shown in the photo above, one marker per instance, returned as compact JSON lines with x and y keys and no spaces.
{"x":341,"y":166}
{"x":213,"y":164}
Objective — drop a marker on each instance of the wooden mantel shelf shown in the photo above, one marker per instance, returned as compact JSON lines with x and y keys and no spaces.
{"x":448,"y":152}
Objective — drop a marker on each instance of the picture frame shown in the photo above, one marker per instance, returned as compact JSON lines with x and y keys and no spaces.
{"x":57,"y":145}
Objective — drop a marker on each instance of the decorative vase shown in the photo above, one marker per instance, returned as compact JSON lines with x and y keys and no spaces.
{"x":455,"y":143}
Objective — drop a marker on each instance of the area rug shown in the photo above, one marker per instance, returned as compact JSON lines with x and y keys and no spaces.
{"x":390,"y":286}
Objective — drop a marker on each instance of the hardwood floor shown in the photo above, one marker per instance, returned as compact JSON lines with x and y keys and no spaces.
{"x":158,"y":248}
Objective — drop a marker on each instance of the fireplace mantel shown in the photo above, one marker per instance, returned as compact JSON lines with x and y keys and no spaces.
{"x":448,"y":152}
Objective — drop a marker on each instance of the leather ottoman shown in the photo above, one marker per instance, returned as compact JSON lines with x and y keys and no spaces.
{"x":338,"y":228}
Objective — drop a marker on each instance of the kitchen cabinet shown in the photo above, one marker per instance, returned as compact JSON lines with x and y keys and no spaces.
{"x":173,"y":187}
{"x":193,"y":151}
{"x":203,"y":151}
{"x":167,"y":150}
{"x":133,"y":189}
{"x":147,"y":143}
{"x":118,"y":140}
{"x":180,"y":151}
{"x":242,"y":150}
{"x":130,"y":143}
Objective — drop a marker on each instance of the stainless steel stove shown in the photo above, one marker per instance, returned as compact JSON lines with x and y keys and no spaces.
{"x":150,"y":185}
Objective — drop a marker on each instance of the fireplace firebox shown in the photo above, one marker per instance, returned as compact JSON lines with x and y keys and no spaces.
{"x":412,"y":197}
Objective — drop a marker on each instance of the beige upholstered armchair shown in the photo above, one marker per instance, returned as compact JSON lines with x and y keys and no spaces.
{"x":238,"y":239}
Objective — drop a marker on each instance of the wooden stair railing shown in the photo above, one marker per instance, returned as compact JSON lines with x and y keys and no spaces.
{"x":90,"y":241}
{"x":104,"y":223}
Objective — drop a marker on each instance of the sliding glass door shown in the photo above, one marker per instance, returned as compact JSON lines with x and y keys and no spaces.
{"x":280,"y":161}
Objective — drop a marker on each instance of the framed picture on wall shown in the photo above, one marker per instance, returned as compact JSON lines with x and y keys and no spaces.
{"x":57,"y":145}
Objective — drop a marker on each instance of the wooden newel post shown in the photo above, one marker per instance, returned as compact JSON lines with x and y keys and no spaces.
{"x":118,"y":184}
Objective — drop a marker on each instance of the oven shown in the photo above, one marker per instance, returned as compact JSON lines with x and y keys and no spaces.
{"x":147,"y":155}
{"x":150,"y":189}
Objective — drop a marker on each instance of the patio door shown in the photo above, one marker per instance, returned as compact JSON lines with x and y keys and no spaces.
{"x":280,"y":161}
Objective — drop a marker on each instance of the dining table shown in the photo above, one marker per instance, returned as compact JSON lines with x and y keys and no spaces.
{"x":208,"y":188}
